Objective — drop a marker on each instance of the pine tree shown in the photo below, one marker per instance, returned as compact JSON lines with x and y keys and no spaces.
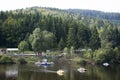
{"x":71,"y":37}
{"x":107,"y":40}
{"x":61,"y":44}
{"x":94,"y":40}
{"x":83,"y":36}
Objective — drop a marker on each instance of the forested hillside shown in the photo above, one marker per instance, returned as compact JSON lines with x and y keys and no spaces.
{"x":112,"y":17}
{"x":40,"y":29}
{"x":69,"y":29}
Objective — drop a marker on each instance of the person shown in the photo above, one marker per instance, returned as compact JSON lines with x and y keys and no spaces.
{"x":60,"y":72}
{"x":37,"y":63}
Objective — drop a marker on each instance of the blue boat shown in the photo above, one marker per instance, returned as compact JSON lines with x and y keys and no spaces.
{"x":44,"y":62}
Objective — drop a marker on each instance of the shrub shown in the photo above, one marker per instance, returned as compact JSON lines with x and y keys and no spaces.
{"x":0,"y":56}
{"x":31,"y":59}
{"x":82,"y":62}
{"x":88,"y":54}
{"x":104,"y":55}
{"x":66,"y":50}
{"x":117,"y":54}
{"x":6,"y":60}
{"x":21,"y":61}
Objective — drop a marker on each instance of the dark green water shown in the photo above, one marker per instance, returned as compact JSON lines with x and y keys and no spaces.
{"x":32,"y":72}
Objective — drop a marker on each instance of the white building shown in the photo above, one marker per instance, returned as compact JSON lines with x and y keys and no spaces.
{"x":12,"y":50}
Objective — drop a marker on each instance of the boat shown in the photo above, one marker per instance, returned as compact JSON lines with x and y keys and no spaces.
{"x":81,"y":70}
{"x":44,"y":62}
{"x":37,"y":63}
{"x":106,"y":64}
{"x":60,"y":72}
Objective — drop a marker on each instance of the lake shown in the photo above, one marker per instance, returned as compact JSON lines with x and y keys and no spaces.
{"x":33,"y":72}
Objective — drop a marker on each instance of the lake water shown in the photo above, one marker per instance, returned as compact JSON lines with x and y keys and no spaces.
{"x":32,"y":72}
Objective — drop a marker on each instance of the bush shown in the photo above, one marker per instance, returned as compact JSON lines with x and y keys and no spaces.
{"x":104,"y":55}
{"x":66,"y":50}
{"x":82,"y":62}
{"x":21,"y":61}
{"x":88,"y":55}
{"x":117,"y":54}
{"x":6,"y":60}
{"x":0,"y":56}
{"x":31,"y":59}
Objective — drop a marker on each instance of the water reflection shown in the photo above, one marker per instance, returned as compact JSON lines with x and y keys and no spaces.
{"x":32,"y":72}
{"x":8,"y":72}
{"x":11,"y":71}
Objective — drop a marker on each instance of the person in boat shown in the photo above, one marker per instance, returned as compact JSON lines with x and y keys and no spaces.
{"x":81,"y":69}
{"x":60,"y":72}
{"x":38,"y":62}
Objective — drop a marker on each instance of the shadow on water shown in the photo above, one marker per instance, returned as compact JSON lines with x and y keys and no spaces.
{"x":32,"y":72}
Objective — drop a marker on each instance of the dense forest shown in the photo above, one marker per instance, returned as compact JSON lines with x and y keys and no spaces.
{"x":39,"y":29}
{"x":112,"y":17}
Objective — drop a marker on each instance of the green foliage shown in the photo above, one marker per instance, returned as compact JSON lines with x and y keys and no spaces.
{"x":82,"y":62}
{"x":83,"y":36}
{"x":36,"y":39}
{"x":88,"y":54}
{"x":6,"y":60}
{"x":0,"y":56}
{"x":99,"y":56}
{"x":21,"y":61}
{"x":117,"y":54}
{"x":70,"y":38}
{"x":46,"y":27}
{"x":94,"y":39}
{"x":61,"y":44}
{"x":48,"y":40}
{"x":104,"y":55}
{"x":41,"y":40}
{"x":110,"y":37}
{"x":31,"y":59}
{"x":72,"y":50}
{"x":114,"y":18}
{"x":9,"y":31}
{"x":66,"y":50}
{"x":15,"y":25}
{"x":23,"y":45}
{"x":107,"y":55}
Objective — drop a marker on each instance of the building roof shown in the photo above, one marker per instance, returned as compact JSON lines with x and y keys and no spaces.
{"x":12,"y":49}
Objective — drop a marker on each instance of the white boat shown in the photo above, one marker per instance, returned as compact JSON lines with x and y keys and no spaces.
{"x":106,"y":64}
{"x":60,"y":72}
{"x":81,"y":70}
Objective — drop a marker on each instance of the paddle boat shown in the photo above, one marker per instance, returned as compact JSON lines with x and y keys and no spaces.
{"x":37,"y":63}
{"x":81,"y":70}
{"x":44,"y":62}
{"x":60,"y":72}
{"x":106,"y":64}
